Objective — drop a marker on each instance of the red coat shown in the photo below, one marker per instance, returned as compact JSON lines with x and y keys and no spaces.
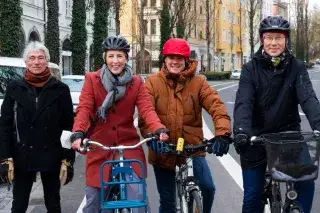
{"x":118,"y":128}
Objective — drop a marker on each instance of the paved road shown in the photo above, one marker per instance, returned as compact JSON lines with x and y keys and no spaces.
{"x":226,"y":171}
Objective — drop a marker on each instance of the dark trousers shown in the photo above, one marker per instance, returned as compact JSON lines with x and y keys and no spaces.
{"x":22,"y":188}
{"x":253,"y":183}
{"x":165,"y":179}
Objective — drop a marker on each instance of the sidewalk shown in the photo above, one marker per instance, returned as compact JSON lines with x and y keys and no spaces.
{"x":36,"y":197}
{"x":71,"y":194}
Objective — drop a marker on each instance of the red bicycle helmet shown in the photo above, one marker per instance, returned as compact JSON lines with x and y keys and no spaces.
{"x":176,"y":46}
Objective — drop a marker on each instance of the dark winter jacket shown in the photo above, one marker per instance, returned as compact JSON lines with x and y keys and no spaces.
{"x":267,"y":101}
{"x":42,"y":114}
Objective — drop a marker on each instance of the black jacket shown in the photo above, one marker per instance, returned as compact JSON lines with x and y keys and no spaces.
{"x":41,"y":117}
{"x":267,"y":101}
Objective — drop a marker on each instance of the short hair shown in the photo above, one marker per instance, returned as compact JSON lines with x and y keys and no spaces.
{"x":34,"y":46}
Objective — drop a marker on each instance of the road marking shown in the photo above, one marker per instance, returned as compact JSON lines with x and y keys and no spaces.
{"x":232,"y":167}
{"x":222,"y":84}
{"x":300,"y":113}
{"x":229,"y":102}
{"x":83,"y":203}
{"x":223,"y":88}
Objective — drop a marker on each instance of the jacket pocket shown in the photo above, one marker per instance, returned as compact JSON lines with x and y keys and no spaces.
{"x":192,"y":135}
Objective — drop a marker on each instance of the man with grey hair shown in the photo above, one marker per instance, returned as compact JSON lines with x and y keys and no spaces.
{"x":35,"y":110}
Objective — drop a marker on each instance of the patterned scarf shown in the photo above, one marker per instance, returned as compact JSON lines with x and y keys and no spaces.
{"x":274,"y":59}
{"x":115,"y":86}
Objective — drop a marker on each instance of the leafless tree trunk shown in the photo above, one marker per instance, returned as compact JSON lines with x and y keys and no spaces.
{"x":142,"y":37}
{"x":300,"y":44}
{"x":306,"y":31}
{"x":208,"y":38}
{"x":240,"y":32}
{"x":253,"y":8}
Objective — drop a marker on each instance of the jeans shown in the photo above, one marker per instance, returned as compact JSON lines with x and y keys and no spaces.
{"x":253,"y":185}
{"x":165,"y":179}
{"x":93,"y":202}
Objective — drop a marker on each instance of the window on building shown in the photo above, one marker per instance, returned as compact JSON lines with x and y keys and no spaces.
{"x":145,"y":27}
{"x":195,"y":31}
{"x":153,"y":26}
{"x":229,"y":37}
{"x":224,"y":13}
{"x":200,"y":35}
{"x":68,"y":8}
{"x":145,"y":2}
{"x":224,"y":35}
{"x":200,"y":9}
{"x":153,"y":3}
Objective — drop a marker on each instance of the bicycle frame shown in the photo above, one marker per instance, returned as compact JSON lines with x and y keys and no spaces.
{"x":185,"y":183}
{"x":119,"y":170}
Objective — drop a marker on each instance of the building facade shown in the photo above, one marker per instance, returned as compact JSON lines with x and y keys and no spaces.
{"x":34,"y":19}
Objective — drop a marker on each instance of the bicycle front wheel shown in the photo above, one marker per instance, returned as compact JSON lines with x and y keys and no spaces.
{"x":195,"y":203}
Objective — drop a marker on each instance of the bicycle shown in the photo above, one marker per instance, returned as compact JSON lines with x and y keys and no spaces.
{"x":292,"y":156}
{"x":188,"y":193}
{"x":116,"y":199}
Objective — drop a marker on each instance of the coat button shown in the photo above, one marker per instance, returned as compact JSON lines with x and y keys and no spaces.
{"x":113,"y":110}
{"x":114,"y":128}
{"x":31,"y":127}
{"x":45,"y":127}
{"x":31,"y":147}
{"x":114,"y":144}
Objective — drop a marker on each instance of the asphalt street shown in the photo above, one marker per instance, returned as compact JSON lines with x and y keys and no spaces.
{"x":226,"y":171}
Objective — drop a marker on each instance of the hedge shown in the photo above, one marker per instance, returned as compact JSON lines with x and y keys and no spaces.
{"x":217,"y":75}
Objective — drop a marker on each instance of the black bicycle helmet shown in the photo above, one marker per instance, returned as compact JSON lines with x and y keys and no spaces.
{"x":274,"y":23}
{"x":116,"y":43}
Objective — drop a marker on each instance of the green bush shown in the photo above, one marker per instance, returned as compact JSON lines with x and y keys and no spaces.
{"x":217,"y":75}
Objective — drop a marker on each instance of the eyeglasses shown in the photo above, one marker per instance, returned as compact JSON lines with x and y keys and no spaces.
{"x":278,"y":40}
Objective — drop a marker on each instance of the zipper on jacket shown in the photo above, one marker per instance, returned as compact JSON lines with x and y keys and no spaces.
{"x":194,"y":107}
{"x":36,"y":103}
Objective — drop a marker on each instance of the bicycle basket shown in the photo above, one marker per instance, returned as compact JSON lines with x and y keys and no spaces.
{"x":292,"y":156}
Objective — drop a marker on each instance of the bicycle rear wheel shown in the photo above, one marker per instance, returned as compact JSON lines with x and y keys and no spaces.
{"x":195,"y":203}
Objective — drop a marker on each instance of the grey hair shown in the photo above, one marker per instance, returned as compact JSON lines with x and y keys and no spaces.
{"x":34,"y":46}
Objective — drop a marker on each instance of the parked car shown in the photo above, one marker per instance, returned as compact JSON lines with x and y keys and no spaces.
{"x":75,"y":83}
{"x":318,"y":61}
{"x":14,"y":68}
{"x":235,"y":74}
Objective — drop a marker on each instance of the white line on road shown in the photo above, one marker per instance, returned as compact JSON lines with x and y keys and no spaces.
{"x":222,"y":84}
{"x":300,"y":113}
{"x":223,"y":88}
{"x":227,"y":161}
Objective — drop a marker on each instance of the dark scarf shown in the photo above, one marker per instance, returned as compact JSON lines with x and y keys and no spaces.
{"x":37,"y":80}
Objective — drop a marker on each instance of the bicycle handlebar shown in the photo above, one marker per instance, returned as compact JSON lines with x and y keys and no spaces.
{"x":86,"y":143}
{"x":191,"y":148}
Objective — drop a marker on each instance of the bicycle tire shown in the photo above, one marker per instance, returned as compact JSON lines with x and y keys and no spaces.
{"x":195,"y":203}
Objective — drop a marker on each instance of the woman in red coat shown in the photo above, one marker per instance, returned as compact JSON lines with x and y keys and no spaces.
{"x":105,"y":114}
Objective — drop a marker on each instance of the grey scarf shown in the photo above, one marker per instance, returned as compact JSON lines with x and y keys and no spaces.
{"x":116,"y":88}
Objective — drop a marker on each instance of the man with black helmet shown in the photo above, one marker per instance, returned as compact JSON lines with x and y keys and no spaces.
{"x":271,"y":87}
{"x":105,"y":114}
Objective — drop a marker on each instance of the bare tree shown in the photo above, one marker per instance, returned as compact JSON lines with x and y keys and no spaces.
{"x":142,"y":36}
{"x":314,"y":33}
{"x":240,"y":32}
{"x":117,"y":6}
{"x":300,"y":44}
{"x":208,"y":37}
{"x":306,"y":31}
{"x":183,"y":17}
{"x":253,"y":6}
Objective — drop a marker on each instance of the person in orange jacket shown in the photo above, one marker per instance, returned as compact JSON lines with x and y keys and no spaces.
{"x":179,"y":95}
{"x":105,"y":114}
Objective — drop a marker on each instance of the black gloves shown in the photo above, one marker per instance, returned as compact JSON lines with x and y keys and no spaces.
{"x":220,"y":145}
{"x":241,"y":141}
{"x":76,"y":135}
